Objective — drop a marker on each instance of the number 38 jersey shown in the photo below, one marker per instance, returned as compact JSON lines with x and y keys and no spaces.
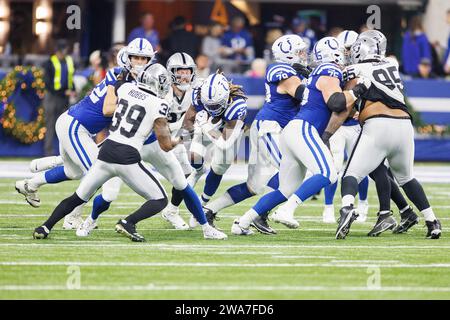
{"x":134,"y":117}
{"x":387,"y":87}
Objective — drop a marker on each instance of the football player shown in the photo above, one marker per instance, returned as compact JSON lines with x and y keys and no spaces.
{"x":304,"y":139}
{"x":141,"y":109}
{"x":75,"y":129}
{"x":284,"y":91}
{"x":342,"y":142}
{"x":387,"y":133}
{"x":216,"y":120}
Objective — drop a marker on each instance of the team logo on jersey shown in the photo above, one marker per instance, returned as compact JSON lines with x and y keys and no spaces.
{"x":281,"y":46}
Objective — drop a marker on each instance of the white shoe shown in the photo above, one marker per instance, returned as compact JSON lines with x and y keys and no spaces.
{"x":195,"y":176}
{"x":193,"y":222}
{"x":284,"y":217}
{"x":86,"y":227}
{"x":328,"y":214}
{"x":31,"y":195}
{"x":41,"y":164}
{"x":72,"y":222}
{"x":212,"y":233}
{"x":362,"y":210}
{"x":172,"y":215}
{"x":238,"y":230}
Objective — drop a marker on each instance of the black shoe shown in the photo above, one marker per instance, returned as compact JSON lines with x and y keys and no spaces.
{"x":434,"y":229}
{"x":384,"y":222}
{"x":348,"y":215}
{"x":41,"y":232}
{"x":409,"y":219}
{"x":129,"y":230}
{"x":260,"y":224}
{"x":210,"y":217}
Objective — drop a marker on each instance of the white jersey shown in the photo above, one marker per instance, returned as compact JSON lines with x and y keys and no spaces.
{"x":177,"y":109}
{"x":387,"y":87}
{"x":134,"y":117}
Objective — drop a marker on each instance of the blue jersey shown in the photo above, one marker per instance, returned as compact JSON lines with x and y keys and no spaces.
{"x":278,"y":107}
{"x":313,"y":107}
{"x":350,"y":122}
{"x":89,"y":110}
{"x":236,"y":109}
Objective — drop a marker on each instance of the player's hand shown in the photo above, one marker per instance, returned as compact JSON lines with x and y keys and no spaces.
{"x":201,"y":118}
{"x":302,"y":70}
{"x":362,"y":85}
{"x":326,"y":138}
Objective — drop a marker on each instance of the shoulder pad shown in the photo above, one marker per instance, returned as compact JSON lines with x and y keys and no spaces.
{"x":237,"y":110}
{"x":280,"y":71}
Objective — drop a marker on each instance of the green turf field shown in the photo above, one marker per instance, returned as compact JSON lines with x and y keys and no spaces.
{"x":306,"y":263}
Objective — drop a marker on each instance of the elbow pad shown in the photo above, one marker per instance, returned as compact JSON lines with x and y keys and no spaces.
{"x":299,"y":92}
{"x":336,"y":102}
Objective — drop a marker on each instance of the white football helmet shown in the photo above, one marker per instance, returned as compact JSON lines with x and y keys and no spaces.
{"x":364,"y":49}
{"x":181,"y":60}
{"x":347,"y":38}
{"x":214,"y":94}
{"x":140,"y":47}
{"x":290,"y":49}
{"x":328,"y":49}
{"x":156,"y":79}
{"x":122,"y":58}
{"x":378,"y":36}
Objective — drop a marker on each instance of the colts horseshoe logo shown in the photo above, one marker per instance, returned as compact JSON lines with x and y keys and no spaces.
{"x":281,"y":46}
{"x":329,"y":42}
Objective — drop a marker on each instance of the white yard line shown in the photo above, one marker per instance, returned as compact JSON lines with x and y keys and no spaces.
{"x":220,"y":264}
{"x":215,"y":288}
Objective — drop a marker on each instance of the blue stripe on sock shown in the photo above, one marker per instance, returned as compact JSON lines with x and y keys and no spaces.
{"x":193,"y":204}
{"x":81,"y":146}
{"x":363,"y":188}
{"x":55,"y":175}
{"x":239,"y":192}
{"x":268,"y":202}
{"x":330,"y":191}
{"x":99,"y":205}
{"x":73,"y":145}
{"x":320,"y":152}
{"x":310,"y":147}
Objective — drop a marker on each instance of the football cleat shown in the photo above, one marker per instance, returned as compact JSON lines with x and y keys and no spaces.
{"x":172,"y":215}
{"x":434,"y":229}
{"x":328,"y":214}
{"x":73,"y":221}
{"x":409,"y":219}
{"x":384,"y":222}
{"x":210,"y":217}
{"x":41,"y":232}
{"x":362,"y":210}
{"x":284,"y":217}
{"x":260,"y":224}
{"x":210,"y":232}
{"x":31,"y":195}
{"x":347,"y":216}
{"x":129,"y":230}
{"x":236,"y":229}
{"x":86,"y":227}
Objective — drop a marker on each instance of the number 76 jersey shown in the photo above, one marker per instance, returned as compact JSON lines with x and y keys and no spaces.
{"x":387,"y":87}
{"x":136,"y":112}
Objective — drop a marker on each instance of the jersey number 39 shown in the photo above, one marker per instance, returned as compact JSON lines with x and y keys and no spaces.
{"x":133,"y":117}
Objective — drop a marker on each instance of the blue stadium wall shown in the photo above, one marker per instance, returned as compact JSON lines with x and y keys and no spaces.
{"x":431,"y":98}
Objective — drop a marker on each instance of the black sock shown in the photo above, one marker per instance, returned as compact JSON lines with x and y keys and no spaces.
{"x":177,"y":196}
{"x":383,"y":185}
{"x":349,"y":186}
{"x":147,"y":210}
{"x":415,"y":193}
{"x":63,"y":209}
{"x":397,"y":196}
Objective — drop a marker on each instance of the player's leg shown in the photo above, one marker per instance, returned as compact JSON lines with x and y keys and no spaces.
{"x":197,"y":153}
{"x":369,"y":151}
{"x":45,"y":163}
{"x":401,"y":160}
{"x":337,"y":148}
{"x":309,"y":149}
{"x":98,"y":174}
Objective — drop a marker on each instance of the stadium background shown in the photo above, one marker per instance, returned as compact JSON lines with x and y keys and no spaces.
{"x":105,"y":22}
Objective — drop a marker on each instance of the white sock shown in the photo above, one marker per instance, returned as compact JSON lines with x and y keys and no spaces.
{"x":171,"y":207}
{"x":384,"y":212}
{"x":247,"y":218}
{"x":329,"y":206}
{"x":205,"y":226}
{"x":404,"y":209}
{"x":428,"y":214}
{"x":291,"y":204}
{"x":224,"y":201}
{"x":365,"y":202}
{"x":77,"y":211}
{"x":37,"y":180}
{"x":348,"y":200}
